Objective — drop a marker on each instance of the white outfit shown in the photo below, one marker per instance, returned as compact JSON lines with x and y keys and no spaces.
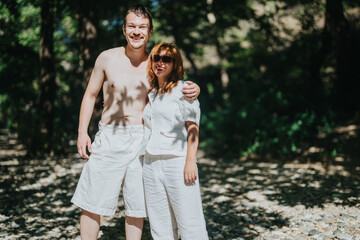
{"x":114,"y":161}
{"x":164,"y":119}
{"x":170,"y":201}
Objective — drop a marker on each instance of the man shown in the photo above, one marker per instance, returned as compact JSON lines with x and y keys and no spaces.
{"x":115,"y":153}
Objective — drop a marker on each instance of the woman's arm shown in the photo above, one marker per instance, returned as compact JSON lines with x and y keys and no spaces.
{"x":190,"y":170}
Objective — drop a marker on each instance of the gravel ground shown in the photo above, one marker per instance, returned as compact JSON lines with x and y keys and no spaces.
{"x":243,"y":199}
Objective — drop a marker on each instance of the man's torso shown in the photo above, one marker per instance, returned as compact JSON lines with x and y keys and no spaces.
{"x":125,"y":89}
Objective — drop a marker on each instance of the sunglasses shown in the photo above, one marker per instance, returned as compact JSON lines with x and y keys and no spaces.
{"x":165,"y":59}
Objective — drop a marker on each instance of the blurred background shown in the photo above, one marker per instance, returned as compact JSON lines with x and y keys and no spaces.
{"x":279,"y":79}
{"x":280,"y":126}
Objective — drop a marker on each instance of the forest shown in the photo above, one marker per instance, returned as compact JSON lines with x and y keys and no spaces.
{"x":279,"y":79}
{"x":280,"y":125}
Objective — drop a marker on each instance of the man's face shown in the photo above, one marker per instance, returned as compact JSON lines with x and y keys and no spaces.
{"x":137,"y":30}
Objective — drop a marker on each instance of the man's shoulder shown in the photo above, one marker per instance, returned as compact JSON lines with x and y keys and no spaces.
{"x":112,"y":52}
{"x":108,"y":55}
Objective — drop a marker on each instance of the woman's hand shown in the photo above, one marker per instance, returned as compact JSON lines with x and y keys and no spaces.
{"x":190,"y":172}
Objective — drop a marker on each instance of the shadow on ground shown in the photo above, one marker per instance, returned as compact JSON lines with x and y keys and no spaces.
{"x":238,"y":196}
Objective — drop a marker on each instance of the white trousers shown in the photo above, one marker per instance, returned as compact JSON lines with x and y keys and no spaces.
{"x":170,"y":202}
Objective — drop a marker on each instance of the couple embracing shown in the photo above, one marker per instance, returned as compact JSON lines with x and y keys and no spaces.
{"x":147,"y":140}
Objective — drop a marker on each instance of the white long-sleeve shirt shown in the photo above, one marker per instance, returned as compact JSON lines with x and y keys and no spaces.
{"x":164,"y":119}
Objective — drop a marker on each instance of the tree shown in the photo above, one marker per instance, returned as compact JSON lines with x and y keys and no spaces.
{"x":86,"y":15}
{"x":47,"y":65}
{"x":346,"y":53}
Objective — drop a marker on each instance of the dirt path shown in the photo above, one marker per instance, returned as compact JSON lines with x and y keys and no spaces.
{"x":244,"y":199}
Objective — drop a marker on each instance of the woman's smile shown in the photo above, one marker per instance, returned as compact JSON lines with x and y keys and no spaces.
{"x":162,"y":69}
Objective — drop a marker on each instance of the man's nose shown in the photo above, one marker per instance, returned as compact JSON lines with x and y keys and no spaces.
{"x":137,"y":30}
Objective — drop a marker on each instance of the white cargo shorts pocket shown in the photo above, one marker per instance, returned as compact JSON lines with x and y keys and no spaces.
{"x":118,"y":143}
{"x":98,"y":142}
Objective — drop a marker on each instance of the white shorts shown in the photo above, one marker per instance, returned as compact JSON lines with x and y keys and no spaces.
{"x":114,"y":161}
{"x":170,"y":202}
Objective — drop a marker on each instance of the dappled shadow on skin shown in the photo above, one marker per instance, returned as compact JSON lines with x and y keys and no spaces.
{"x":123,"y":104}
{"x":125,"y":99}
{"x":143,"y":90}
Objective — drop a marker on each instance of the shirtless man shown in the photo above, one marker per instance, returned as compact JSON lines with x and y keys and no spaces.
{"x":115,"y":153}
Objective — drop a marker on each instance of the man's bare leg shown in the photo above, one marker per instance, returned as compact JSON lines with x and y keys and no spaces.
{"x":89,"y":225}
{"x":133,"y":228}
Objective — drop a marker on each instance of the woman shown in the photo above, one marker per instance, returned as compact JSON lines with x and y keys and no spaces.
{"x":170,"y":174}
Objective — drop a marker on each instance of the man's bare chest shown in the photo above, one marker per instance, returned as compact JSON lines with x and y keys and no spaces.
{"x":126,"y":81}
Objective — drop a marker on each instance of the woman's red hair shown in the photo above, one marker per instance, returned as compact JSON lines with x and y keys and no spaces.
{"x":177,"y":72}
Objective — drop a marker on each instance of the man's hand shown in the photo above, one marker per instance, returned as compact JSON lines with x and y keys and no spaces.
{"x":83,"y":142}
{"x":191,"y":91}
{"x":190,"y":172}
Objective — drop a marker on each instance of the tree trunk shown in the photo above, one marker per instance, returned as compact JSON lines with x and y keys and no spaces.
{"x":224,"y":76}
{"x":176,"y":24}
{"x":88,"y":46}
{"x":347,"y":82}
{"x":88,"y":34}
{"x":317,"y":61}
{"x":202,"y":81}
{"x":216,"y":33}
{"x":47,"y":66}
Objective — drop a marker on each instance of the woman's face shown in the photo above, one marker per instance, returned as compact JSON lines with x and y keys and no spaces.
{"x":162,"y":65}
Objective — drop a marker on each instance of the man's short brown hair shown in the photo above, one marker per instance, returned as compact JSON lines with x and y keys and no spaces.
{"x":140,"y":11}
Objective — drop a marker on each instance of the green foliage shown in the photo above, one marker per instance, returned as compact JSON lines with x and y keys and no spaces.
{"x":275,"y":107}
{"x":280,"y":93}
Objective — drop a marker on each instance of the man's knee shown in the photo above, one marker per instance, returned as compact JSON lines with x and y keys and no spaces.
{"x":133,"y":220}
{"x":91,"y":215}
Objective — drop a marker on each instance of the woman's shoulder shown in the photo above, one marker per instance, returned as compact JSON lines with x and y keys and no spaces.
{"x":177,"y":89}
{"x":181,"y":83}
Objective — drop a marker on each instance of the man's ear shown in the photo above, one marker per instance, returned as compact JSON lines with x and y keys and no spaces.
{"x":150,"y":32}
{"x":123,"y":28}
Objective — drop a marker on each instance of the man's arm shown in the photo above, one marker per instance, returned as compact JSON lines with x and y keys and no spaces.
{"x":87,"y":106}
{"x":191,"y":91}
